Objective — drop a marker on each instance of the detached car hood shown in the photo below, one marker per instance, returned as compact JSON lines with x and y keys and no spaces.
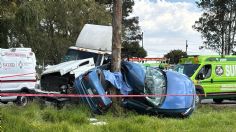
{"x":69,"y":66}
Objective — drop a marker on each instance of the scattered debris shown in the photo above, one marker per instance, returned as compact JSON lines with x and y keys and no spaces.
{"x":95,"y":121}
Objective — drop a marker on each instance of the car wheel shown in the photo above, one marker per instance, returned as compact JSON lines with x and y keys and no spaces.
{"x":218,"y":101}
{"x":198,"y":98}
{"x":22,"y":100}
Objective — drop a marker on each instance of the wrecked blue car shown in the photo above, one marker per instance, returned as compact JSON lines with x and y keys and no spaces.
{"x":162,"y":92}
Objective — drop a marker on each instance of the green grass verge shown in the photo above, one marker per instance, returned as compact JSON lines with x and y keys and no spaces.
{"x":74,"y":118}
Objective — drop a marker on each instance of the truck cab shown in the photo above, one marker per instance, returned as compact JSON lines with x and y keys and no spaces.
{"x":213,"y":76}
{"x":74,"y":63}
{"x":92,"y":48}
{"x":75,"y":53}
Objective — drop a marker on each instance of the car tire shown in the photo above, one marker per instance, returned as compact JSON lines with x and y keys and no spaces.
{"x":4,"y":102}
{"x":59,"y":105}
{"x":198,"y":98}
{"x":22,"y":100}
{"x":218,"y":101}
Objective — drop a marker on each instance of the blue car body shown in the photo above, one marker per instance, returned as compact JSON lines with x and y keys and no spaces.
{"x":176,"y":90}
{"x":181,"y":91}
{"x":89,"y":84}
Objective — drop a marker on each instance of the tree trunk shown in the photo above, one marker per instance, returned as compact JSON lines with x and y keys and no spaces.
{"x":116,"y":49}
{"x":222,"y":42}
{"x":234,"y":29}
{"x":116,"y":36}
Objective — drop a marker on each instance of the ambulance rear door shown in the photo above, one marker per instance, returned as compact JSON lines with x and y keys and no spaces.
{"x":17,"y":69}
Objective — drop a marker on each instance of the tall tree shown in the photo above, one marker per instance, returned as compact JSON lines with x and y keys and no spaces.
{"x":131,"y":35}
{"x":175,"y":55}
{"x":133,"y":49}
{"x":116,"y":35}
{"x":50,"y":27}
{"x":116,"y":47}
{"x":218,"y":24}
{"x":8,"y":9}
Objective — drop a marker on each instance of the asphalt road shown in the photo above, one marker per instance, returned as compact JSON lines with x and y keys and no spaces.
{"x":224,"y":103}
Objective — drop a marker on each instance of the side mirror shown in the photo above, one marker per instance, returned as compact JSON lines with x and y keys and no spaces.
{"x":200,"y":76}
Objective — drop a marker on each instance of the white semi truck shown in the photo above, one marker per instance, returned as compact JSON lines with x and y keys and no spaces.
{"x":93,"y":48}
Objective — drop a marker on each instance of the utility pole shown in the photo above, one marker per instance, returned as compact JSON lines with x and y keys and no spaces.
{"x":116,"y":35}
{"x":186,"y":46}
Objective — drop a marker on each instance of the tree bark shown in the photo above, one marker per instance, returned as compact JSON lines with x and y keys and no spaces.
{"x":116,"y":50}
{"x":116,"y":36}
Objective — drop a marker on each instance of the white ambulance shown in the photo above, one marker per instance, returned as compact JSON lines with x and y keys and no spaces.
{"x":17,"y":74}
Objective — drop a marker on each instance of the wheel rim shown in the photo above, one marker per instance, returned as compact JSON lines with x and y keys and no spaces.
{"x":197,"y":98}
{"x":23,"y":101}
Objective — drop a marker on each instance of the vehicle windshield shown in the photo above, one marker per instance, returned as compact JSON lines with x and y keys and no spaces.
{"x":187,"y":69}
{"x":155,"y":83}
{"x":79,"y":55}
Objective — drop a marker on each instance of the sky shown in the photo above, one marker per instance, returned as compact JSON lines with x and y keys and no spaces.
{"x":167,"y":24}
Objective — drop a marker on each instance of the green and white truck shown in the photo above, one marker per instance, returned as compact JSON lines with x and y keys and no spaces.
{"x":213,"y":76}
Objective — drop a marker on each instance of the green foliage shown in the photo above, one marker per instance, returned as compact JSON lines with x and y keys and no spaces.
{"x":8,"y":9}
{"x":175,"y":55}
{"x":132,"y":34}
{"x":75,"y":118}
{"x":133,"y":50}
{"x":50,"y":27}
{"x":218,"y":24}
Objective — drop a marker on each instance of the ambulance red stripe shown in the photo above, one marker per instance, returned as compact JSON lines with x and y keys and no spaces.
{"x":16,"y":75}
{"x":15,"y":81}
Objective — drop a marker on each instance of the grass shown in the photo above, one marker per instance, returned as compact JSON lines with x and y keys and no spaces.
{"x":74,"y":118}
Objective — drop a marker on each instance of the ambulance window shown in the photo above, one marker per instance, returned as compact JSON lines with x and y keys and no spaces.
{"x":187,"y":69}
{"x":205,"y":72}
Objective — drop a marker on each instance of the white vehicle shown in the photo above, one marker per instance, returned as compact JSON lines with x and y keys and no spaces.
{"x":17,"y":73}
{"x":93,"y":48}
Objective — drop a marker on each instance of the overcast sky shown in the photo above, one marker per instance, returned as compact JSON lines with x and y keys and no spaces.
{"x":167,"y":24}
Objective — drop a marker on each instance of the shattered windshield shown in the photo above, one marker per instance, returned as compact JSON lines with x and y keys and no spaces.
{"x":187,"y":69}
{"x":155,"y":83}
{"x":79,"y":55}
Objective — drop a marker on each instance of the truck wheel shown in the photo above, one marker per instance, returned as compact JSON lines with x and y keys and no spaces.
{"x":198,"y":98}
{"x":59,"y":105}
{"x":218,"y":101}
{"x":41,"y":102}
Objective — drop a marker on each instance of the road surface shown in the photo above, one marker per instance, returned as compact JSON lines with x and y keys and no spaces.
{"x":224,"y":103}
